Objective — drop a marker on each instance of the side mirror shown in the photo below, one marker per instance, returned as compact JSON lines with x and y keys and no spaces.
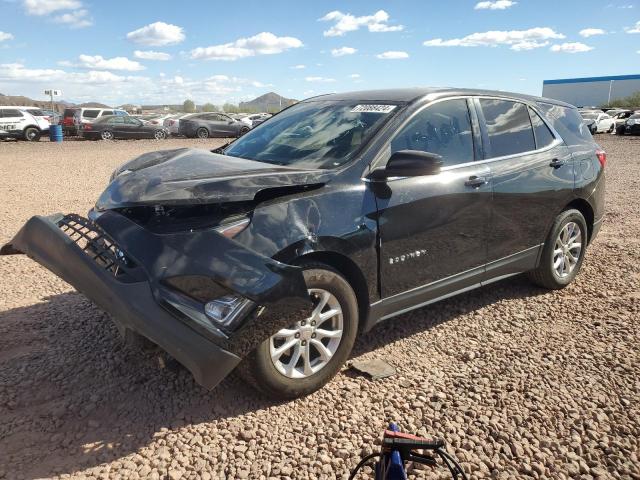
{"x":409,"y":163}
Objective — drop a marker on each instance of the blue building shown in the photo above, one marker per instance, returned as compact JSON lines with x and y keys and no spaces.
{"x":591,"y":91}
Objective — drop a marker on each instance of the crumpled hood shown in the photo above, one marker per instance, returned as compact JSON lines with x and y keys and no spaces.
{"x":193,"y":176}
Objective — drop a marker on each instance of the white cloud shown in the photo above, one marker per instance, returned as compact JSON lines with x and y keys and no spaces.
{"x":354,"y":75}
{"x":98,"y":62}
{"x":265,"y":43}
{"x":590,"y":32}
{"x":5,"y":36}
{"x":497,"y":5}
{"x":342,"y":51}
{"x":346,"y":22}
{"x":516,"y":39}
{"x":299,"y":67}
{"x":392,"y":55}
{"x":151,"y":55}
{"x":320,"y":79}
{"x":157,"y":34}
{"x":77,"y":19}
{"x":45,"y":7}
{"x":634,"y":29}
{"x":572,"y":47}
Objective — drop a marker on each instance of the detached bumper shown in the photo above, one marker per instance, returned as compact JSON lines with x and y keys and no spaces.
{"x":128,"y":284}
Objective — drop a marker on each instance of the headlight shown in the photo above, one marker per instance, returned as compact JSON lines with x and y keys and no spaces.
{"x":227,"y":311}
{"x":230,"y":230}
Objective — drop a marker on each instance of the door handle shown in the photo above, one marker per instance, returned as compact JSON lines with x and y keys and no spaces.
{"x":556,"y":163}
{"x":475,"y":181}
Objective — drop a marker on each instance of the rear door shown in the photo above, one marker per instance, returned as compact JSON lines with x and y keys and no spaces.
{"x":434,"y":227}
{"x":533,"y":179}
{"x":118,"y":127}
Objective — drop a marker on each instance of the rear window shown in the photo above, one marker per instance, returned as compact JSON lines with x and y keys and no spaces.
{"x":568,"y":123}
{"x":90,"y":113}
{"x":36,"y":112}
{"x":69,"y":112}
{"x":508,"y":127}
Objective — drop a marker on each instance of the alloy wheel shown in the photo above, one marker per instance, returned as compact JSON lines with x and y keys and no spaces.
{"x":306,"y":347}
{"x":159,"y":135}
{"x":567,"y":249}
{"x":107,"y":135}
{"x":32,"y":133}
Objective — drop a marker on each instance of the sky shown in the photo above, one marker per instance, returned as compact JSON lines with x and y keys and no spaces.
{"x":163,"y":52}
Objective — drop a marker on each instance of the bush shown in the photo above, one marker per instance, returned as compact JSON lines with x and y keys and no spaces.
{"x":632,"y":101}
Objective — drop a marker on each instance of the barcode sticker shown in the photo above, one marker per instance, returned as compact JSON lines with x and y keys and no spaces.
{"x":373,"y":108}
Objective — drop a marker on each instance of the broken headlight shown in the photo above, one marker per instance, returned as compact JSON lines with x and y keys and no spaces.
{"x":228,"y":310}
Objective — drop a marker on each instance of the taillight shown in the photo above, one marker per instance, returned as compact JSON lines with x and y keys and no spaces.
{"x":171,"y":122}
{"x":602,"y":157}
{"x":87,"y":126}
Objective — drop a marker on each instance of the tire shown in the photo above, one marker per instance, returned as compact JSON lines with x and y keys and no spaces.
{"x":31,"y":134}
{"x":546,"y":274}
{"x":611,"y":129}
{"x":202,"y":133}
{"x":106,"y":135}
{"x":160,"y":135}
{"x":261,"y":371}
{"x":243,"y":131}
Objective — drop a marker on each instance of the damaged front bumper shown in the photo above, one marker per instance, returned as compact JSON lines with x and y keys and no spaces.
{"x":156,"y":285}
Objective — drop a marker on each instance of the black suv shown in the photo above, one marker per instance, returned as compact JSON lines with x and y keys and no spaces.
{"x":339,"y":212}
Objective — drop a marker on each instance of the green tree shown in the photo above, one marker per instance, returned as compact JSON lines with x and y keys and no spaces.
{"x":632,"y":101}
{"x":188,"y":106}
{"x":230,"y":108}
{"x":209,"y":107}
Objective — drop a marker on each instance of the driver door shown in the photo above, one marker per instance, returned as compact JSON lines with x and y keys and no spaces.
{"x":433,"y":228}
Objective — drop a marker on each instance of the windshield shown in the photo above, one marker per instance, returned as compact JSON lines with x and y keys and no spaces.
{"x":317,"y":134}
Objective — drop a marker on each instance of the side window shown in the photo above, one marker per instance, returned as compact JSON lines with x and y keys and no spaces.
{"x":443,"y":128}
{"x":12,"y":113}
{"x":508,"y":126}
{"x":90,"y":113}
{"x":543,"y":135}
{"x":132,"y":121}
{"x":568,"y":123}
{"x":116,"y":121}
{"x":107,"y":112}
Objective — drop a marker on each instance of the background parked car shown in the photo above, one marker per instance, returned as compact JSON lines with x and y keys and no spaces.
{"x":603,"y":121}
{"x":255,"y":119}
{"x":172,"y":123}
{"x":74,"y":117}
{"x":632,"y":125}
{"x":591,"y":125}
{"x":620,"y":119}
{"x":207,"y":125}
{"x":25,"y":123}
{"x":121,"y":127}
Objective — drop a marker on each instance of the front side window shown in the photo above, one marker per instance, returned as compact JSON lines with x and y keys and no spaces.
{"x":543,"y":135}
{"x":443,"y":128}
{"x":508,"y":127}
{"x":107,"y":112}
{"x":314,"y":134}
{"x":132,"y":121}
{"x":90,"y":113}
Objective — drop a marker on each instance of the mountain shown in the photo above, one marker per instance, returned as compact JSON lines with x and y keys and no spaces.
{"x":266,"y":103}
{"x":20,"y":100}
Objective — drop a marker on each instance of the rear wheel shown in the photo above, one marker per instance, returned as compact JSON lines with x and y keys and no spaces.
{"x":31,"y":134}
{"x":563,"y":251}
{"x":611,"y":128}
{"x":202,"y":133}
{"x":301,"y":358}
{"x":242,"y":131}
{"x":106,"y":135}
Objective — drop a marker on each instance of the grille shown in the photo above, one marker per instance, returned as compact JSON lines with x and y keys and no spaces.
{"x":96,"y":244}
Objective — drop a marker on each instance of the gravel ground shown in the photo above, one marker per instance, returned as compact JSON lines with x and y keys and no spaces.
{"x":522,"y":382}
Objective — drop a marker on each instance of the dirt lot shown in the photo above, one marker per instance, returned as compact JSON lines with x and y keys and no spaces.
{"x":523,"y":383}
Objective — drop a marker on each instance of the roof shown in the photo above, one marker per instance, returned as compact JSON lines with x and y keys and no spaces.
{"x":409,"y":95}
{"x":592,"y":79}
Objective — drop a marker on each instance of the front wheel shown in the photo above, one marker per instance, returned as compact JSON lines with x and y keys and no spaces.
{"x":242,"y":131}
{"x":202,"y":133}
{"x":160,"y":135}
{"x":32,"y":134}
{"x":611,"y":129}
{"x":106,"y":135}
{"x":301,"y":358}
{"x":563,"y":251}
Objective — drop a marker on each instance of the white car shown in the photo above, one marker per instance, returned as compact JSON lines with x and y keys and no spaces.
{"x":25,"y":123}
{"x":250,"y":120}
{"x":603,"y":121}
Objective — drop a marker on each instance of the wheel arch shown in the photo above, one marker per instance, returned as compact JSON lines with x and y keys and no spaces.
{"x":348,"y":269}
{"x":585,"y":208}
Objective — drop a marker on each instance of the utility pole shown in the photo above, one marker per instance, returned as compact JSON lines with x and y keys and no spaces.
{"x":609,"y":99}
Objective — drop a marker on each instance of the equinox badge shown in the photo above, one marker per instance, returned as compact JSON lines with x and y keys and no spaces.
{"x":407,"y":256}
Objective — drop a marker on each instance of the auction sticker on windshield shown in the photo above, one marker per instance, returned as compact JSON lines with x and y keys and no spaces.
{"x":373,"y":108}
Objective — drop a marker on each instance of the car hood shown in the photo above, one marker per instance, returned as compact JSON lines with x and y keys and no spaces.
{"x":191,"y":176}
